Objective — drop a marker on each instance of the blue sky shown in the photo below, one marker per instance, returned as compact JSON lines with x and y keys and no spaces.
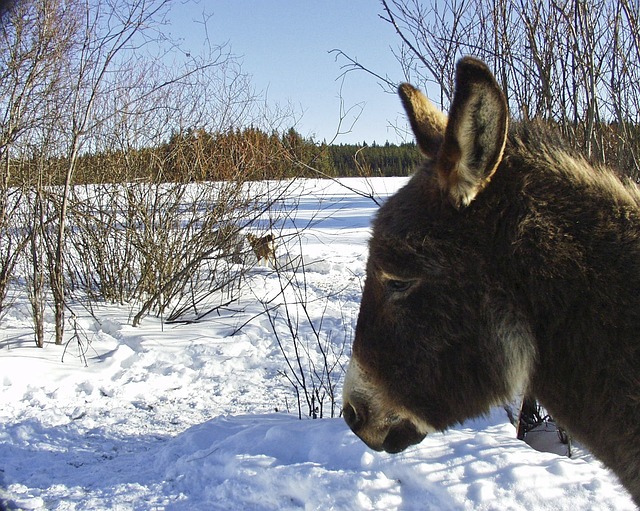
{"x":284,"y":45}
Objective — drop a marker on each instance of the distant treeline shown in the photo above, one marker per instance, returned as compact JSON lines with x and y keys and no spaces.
{"x":374,"y":160}
{"x":243,"y":154}
{"x":251,"y":154}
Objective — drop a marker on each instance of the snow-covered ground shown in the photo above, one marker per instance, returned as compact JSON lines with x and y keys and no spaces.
{"x":202,"y":416}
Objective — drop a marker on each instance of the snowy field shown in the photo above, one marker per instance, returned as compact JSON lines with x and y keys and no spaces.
{"x":202,"y":416}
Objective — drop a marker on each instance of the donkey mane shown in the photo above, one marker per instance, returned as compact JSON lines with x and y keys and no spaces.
{"x":544,"y":147}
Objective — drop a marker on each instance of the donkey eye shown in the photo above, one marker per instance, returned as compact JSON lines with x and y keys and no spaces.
{"x":398,"y":286}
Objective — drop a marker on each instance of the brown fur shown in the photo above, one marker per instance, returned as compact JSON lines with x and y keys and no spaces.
{"x":507,"y":263}
{"x":263,"y":247}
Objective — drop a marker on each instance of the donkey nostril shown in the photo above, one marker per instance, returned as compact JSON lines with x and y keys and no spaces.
{"x":353,"y":417}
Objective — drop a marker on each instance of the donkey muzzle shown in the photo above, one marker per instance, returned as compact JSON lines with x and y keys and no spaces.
{"x":394,"y":434}
{"x":374,"y":418}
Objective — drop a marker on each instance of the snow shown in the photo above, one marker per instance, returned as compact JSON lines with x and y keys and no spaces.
{"x":200,"y":416}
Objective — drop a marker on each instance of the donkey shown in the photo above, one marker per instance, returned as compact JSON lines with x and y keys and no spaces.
{"x":506,"y":263}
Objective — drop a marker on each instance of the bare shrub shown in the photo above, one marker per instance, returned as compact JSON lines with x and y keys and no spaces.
{"x":571,"y":64}
{"x":314,"y":359}
{"x":313,"y":355}
{"x":87,"y":99}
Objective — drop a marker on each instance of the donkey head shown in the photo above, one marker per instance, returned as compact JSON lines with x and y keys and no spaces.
{"x":434,"y":339}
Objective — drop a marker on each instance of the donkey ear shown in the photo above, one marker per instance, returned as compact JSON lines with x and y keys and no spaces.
{"x":428,"y":123}
{"x":476,"y":133}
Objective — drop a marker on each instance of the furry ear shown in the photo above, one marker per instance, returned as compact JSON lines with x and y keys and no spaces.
{"x":467,"y":148}
{"x":428,"y":123}
{"x":476,"y":133}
